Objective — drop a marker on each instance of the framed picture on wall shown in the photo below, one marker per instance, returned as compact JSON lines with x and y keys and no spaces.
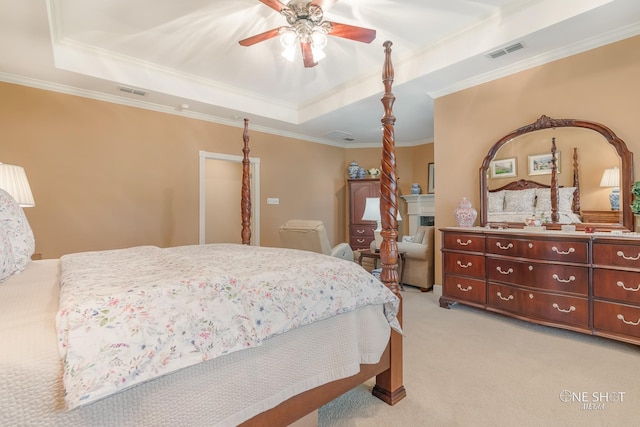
{"x":431,"y":183}
{"x":503,"y":168}
{"x":540,"y":164}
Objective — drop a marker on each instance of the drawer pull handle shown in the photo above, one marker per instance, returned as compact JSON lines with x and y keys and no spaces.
{"x":631,"y":258}
{"x":621,"y":284}
{"x":501,"y":271}
{"x":628,"y":322}
{"x":510,"y":297}
{"x":467,"y":289}
{"x":467,"y":243}
{"x":530,"y":245}
{"x":499,"y":245}
{"x":569,"y":310}
{"x":467,"y":265}
{"x":361,"y":240}
{"x":361,"y":231}
{"x":558,"y":251}
{"x":570,"y":279}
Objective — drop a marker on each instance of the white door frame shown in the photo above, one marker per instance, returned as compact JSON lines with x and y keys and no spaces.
{"x":255,"y":192}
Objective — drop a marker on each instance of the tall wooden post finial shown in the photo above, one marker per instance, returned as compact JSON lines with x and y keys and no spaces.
{"x":245,"y":201}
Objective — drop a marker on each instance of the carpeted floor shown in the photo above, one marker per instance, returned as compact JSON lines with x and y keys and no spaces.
{"x":467,"y":367}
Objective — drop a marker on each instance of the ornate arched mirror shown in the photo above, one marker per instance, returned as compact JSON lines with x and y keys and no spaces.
{"x":560,"y":171}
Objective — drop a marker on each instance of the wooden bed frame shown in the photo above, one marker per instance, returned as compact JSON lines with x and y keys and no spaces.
{"x":388,"y":372}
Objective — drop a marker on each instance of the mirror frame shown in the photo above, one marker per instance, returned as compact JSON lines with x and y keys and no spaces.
{"x":545,"y":122}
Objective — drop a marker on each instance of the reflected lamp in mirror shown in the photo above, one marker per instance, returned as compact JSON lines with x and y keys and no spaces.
{"x":372,"y":213}
{"x":611,"y":178}
{"x":14,"y":181}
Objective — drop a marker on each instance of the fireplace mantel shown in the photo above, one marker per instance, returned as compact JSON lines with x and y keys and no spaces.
{"x":419,"y":205}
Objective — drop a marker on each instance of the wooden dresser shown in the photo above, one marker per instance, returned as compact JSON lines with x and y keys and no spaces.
{"x":613,"y":217}
{"x":588,"y":283}
{"x":361,"y":232}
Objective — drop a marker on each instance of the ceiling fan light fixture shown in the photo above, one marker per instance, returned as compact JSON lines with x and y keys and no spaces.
{"x":319,"y":40}
{"x":288,"y":38}
{"x":318,"y":54}
{"x":289,"y":53}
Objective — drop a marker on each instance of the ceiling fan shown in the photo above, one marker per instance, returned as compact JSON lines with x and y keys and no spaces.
{"x":307,"y":28}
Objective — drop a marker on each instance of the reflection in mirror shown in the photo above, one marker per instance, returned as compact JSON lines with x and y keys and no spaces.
{"x":585,"y":150}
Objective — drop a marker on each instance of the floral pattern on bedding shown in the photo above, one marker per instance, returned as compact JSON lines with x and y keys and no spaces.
{"x":129,"y":315}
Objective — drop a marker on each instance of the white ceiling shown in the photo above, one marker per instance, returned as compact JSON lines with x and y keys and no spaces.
{"x":185,"y":55}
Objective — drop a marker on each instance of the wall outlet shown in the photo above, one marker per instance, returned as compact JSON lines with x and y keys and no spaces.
{"x":273,"y":201}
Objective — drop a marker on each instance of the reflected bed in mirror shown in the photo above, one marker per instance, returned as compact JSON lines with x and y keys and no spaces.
{"x":561,"y":191}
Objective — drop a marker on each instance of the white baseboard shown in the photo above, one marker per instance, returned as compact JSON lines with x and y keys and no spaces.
{"x":437,"y":290}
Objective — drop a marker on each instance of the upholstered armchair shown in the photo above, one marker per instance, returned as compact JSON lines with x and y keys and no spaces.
{"x":311,"y":235}
{"x":419,"y":269}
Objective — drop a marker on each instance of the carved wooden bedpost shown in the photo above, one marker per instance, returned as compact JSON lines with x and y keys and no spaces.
{"x":245,"y":200}
{"x":555,"y":215}
{"x":389,"y":385}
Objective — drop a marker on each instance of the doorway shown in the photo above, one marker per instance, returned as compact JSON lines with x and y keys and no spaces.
{"x":220,"y":194}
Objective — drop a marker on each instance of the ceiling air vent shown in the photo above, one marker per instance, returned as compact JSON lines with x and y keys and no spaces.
{"x":501,"y":52}
{"x":338,"y":134}
{"x":132,"y":91}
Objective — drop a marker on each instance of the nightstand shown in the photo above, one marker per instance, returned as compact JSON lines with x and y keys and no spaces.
{"x":610,"y":216}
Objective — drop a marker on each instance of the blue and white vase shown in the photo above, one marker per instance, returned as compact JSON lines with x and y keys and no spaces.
{"x":362,"y":173}
{"x":353,"y":170}
{"x":415,"y":188}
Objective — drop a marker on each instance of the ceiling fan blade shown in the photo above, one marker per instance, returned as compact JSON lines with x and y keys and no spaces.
{"x":274,"y":4}
{"x":307,"y":55}
{"x":364,"y":35}
{"x":325,"y":4}
{"x":260,"y":37}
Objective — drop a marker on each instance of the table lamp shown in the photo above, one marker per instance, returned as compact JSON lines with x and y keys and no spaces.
{"x":611,"y":178}
{"x":14,"y":181}
{"x":372,"y":213}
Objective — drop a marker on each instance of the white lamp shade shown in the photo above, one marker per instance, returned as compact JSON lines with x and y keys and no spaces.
{"x":372,"y":210}
{"x":610,"y":178}
{"x":14,"y":181}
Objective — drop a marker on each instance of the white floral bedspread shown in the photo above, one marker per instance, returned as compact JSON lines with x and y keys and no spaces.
{"x":129,"y":315}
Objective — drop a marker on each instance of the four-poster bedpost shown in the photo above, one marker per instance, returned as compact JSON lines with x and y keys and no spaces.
{"x":388,"y":371}
{"x":245,"y":200}
{"x":389,"y":384}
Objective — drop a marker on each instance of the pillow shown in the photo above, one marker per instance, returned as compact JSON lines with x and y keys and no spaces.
{"x":543,"y":200}
{"x":17,"y":231}
{"x":565,"y":199}
{"x":519,"y":200}
{"x":495,"y":202}
{"x":6,"y":256}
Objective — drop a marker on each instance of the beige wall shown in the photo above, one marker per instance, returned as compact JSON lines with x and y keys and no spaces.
{"x":109,"y":176}
{"x":599,"y":85}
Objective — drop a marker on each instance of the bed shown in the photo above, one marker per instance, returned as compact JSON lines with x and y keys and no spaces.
{"x":519,"y":201}
{"x":284,"y":366}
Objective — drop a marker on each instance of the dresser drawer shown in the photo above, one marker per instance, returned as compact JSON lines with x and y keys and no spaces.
{"x":623,"y":286}
{"x":463,"y":242}
{"x":464,"y":264}
{"x":551,"y":250}
{"x":465,"y":288}
{"x":361,"y":236}
{"x":553,"y":277}
{"x":547,"y":307}
{"x":616,"y":318}
{"x":615,"y":255}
